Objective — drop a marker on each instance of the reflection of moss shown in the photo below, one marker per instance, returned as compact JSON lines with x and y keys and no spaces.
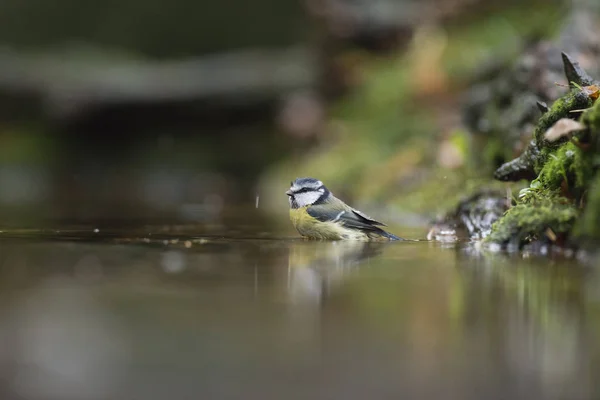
{"x":543,"y":292}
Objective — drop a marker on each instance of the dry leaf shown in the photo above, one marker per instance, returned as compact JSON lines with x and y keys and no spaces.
{"x":592,"y":91}
{"x":563,"y":127}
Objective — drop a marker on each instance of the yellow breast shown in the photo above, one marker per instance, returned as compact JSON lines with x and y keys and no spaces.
{"x":312,"y":228}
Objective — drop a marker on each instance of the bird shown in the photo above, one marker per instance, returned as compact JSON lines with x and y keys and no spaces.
{"x":317,"y":214}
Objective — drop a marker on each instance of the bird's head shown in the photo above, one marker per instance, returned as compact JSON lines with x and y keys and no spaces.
{"x":307,"y":191}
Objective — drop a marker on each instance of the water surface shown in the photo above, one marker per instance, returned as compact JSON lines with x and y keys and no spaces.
{"x":108,"y":316}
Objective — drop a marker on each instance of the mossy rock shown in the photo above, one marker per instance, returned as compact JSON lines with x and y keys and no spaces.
{"x":533,"y":159}
{"x":587,"y":228}
{"x":550,"y":202}
{"x":568,"y":169}
{"x":542,"y":218}
{"x":550,"y":209}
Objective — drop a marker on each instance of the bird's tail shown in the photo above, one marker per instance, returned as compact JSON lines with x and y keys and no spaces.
{"x":390,"y":236}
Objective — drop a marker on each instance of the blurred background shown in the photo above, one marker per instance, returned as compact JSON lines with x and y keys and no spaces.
{"x":127,"y":112}
{"x":145,"y":148}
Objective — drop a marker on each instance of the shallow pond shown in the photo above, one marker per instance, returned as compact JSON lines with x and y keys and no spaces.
{"x":99,"y":315}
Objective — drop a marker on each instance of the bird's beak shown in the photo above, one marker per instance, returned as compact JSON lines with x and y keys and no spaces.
{"x":289,"y":193}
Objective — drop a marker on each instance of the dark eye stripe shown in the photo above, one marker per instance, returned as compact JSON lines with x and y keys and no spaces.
{"x":303,"y":190}
{"x":307,"y":189}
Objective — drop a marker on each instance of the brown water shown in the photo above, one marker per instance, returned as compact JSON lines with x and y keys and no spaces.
{"x":151,"y":317}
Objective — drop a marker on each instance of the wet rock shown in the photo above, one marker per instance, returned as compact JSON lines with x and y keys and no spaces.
{"x":522,"y":167}
{"x":473,"y":217}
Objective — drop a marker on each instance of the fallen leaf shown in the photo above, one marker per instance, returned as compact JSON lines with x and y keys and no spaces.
{"x":592,"y":91}
{"x":562,"y":128}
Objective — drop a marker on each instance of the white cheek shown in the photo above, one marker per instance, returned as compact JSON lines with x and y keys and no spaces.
{"x":305,"y":199}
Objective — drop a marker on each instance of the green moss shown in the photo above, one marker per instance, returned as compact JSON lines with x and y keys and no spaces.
{"x":591,"y":117}
{"x":588,"y":226}
{"x":576,"y":99}
{"x":540,"y":152}
{"x":551,"y":200}
{"x":566,"y":172}
{"x":568,"y":168}
{"x":530,"y":220}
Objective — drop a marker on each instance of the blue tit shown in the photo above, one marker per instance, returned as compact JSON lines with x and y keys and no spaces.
{"x":317,"y":214}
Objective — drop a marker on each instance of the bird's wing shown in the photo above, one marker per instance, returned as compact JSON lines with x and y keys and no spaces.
{"x":347,"y":216}
{"x":366,"y":217}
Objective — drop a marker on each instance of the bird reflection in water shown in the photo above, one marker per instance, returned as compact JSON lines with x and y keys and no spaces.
{"x":315,"y":267}
{"x":315,"y":270}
